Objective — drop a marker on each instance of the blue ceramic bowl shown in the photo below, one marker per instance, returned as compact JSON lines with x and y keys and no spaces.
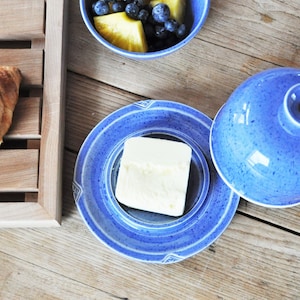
{"x":255,"y":139}
{"x":196,"y":14}
{"x":141,"y":235}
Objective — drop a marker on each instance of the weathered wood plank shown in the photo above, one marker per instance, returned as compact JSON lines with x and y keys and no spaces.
{"x":26,"y":119}
{"x":21,"y":20}
{"x":284,"y":217}
{"x":19,"y":170}
{"x":266,"y":30}
{"x":44,"y":284}
{"x":53,"y":119}
{"x":92,"y":101}
{"x":25,"y":214}
{"x":29,"y":61}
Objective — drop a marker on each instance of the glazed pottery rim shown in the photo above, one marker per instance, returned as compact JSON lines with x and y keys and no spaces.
{"x":141,"y":55}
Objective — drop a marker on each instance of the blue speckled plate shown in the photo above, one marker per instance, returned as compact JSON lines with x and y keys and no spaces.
{"x":140,"y":235}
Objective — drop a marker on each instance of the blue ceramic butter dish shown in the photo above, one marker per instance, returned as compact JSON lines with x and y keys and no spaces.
{"x":141,"y":235}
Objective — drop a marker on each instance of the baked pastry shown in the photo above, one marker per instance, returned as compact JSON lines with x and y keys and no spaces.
{"x":10,"y":80}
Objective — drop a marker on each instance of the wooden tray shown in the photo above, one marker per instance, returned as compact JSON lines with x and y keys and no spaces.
{"x":32,"y":37}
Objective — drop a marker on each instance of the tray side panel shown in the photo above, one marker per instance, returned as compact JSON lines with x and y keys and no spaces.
{"x":52,"y":131}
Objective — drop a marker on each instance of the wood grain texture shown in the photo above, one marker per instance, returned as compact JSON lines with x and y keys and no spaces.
{"x":19,"y":170}
{"x":52,"y":128}
{"x":285,"y":217}
{"x":57,"y":285}
{"x":29,"y":214}
{"x":21,"y":20}
{"x":264,"y":30}
{"x":29,"y":61}
{"x":92,"y":101}
{"x":26,"y":119}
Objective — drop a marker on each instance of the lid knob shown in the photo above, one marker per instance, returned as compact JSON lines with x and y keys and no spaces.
{"x":289,"y":111}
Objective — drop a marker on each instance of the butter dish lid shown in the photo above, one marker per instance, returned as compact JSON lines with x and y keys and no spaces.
{"x":140,"y":235}
{"x":255,"y":139}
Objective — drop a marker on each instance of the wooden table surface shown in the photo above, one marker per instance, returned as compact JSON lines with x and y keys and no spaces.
{"x":257,"y":257}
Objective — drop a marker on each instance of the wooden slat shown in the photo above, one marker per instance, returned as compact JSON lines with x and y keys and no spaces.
{"x":283,"y":217}
{"x":99,"y":101}
{"x":19,"y":170}
{"x":29,"y":61}
{"x":267,"y":30}
{"x":52,"y":130}
{"x":58,"y":286}
{"x":21,"y":19}
{"x":25,"y":215}
{"x":26,"y":119}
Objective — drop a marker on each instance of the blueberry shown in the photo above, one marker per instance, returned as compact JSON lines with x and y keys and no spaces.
{"x":140,"y":3}
{"x":132,"y":10}
{"x":181,"y":31}
{"x":161,"y":32}
{"x":143,"y":15}
{"x":171,"y":25}
{"x":118,"y":6}
{"x":100,"y":8}
{"x":161,"y":12}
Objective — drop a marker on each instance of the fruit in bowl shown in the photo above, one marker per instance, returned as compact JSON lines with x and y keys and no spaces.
{"x":134,"y":29}
{"x":122,"y":31}
{"x":140,"y":25}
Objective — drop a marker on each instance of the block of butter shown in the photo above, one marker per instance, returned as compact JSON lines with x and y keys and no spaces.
{"x":153,"y":175}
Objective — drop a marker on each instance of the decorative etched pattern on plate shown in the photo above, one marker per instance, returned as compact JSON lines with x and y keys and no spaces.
{"x":171,"y":258}
{"x":144,"y":104}
{"x":77,"y":191}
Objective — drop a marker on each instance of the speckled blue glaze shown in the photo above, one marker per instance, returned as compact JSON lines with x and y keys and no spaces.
{"x":196,"y":14}
{"x":255,"y":138}
{"x":141,"y":235}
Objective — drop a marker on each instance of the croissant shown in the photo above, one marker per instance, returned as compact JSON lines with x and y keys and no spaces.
{"x":10,"y":80}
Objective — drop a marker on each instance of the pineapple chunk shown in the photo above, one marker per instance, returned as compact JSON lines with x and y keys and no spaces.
{"x":122,"y":31}
{"x":177,"y":8}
